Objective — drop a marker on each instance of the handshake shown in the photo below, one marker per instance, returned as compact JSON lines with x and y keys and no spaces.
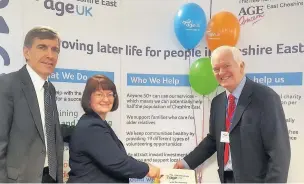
{"x":154,"y":172}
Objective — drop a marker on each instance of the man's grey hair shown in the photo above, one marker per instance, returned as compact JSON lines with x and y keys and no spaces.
{"x":236,"y":53}
{"x":41,"y":32}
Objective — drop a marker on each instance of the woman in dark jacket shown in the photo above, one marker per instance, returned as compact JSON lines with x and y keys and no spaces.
{"x":96,"y":153}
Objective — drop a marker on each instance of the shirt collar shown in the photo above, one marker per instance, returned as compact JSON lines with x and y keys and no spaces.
{"x":36,"y":79}
{"x":238,"y":90}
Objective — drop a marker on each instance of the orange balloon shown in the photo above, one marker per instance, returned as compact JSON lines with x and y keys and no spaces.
{"x":222,"y":29}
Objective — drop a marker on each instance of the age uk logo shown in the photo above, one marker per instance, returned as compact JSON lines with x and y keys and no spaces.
{"x":251,"y":14}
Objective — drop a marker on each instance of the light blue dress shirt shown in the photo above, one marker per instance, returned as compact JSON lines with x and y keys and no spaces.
{"x":236,"y":93}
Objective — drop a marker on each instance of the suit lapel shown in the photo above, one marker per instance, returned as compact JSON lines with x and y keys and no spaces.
{"x":112,"y":133}
{"x":120,"y":144}
{"x":221,"y":118}
{"x":243,"y":102}
{"x":31,"y":98}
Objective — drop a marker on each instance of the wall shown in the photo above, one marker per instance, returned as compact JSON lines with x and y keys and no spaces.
{"x":133,"y":43}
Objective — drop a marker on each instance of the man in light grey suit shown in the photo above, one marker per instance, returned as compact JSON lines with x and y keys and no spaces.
{"x":247,"y":127}
{"x":31,"y":145}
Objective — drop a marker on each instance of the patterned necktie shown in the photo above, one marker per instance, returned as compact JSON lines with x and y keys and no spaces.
{"x":230,"y":112}
{"x":50,"y":131}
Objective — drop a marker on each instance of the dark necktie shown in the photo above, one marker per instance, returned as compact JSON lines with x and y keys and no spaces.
{"x":50,"y":131}
{"x":230,"y":112}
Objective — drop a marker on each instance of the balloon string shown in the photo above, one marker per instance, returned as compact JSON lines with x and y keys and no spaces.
{"x":203,"y":118}
{"x":200,"y":170}
{"x":210,"y":9}
{"x":194,"y":123}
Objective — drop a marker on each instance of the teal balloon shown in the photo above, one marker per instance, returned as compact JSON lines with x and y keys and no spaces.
{"x":201,"y":77}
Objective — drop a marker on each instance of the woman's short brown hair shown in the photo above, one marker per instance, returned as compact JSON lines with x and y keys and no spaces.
{"x":94,"y":83}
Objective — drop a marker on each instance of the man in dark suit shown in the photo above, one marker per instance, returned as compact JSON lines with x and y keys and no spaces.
{"x":247,"y":127}
{"x":31,"y":145}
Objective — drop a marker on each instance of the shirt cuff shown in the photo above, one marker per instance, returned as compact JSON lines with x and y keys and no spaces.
{"x":186,"y":166}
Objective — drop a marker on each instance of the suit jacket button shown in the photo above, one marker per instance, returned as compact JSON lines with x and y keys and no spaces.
{"x":42,"y":151}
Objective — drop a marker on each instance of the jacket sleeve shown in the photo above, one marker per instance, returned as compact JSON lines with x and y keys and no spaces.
{"x":206,"y":148}
{"x":99,"y":144}
{"x":6,"y":116}
{"x":275,"y":140}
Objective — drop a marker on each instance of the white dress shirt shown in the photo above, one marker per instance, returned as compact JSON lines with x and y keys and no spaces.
{"x":38,"y":83}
